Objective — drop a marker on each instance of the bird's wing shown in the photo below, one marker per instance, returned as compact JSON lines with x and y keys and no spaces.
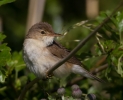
{"x":58,"y":50}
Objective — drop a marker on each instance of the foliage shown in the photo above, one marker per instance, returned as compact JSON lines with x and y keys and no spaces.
{"x":2,"y":2}
{"x":4,"y":57}
{"x":105,"y":47}
{"x":112,"y":43}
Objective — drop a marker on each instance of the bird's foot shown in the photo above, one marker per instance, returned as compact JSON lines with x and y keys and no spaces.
{"x":48,"y":76}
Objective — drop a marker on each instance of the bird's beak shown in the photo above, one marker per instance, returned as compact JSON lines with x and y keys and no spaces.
{"x":56,"y":34}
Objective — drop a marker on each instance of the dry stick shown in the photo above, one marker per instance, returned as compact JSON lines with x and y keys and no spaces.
{"x":80,"y":45}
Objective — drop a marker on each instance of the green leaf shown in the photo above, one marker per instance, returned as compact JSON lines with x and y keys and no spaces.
{"x":121,"y":26}
{"x":120,"y":66}
{"x":17,"y":83}
{"x":4,"y":54}
{"x":2,"y":76}
{"x":119,"y":23}
{"x":17,"y":61}
{"x":2,"y":2}
{"x":103,"y":15}
{"x":2,"y":36}
{"x":107,"y":71}
{"x":4,"y":57}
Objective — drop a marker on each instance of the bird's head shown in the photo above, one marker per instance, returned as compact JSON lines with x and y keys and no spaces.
{"x":43,"y":32}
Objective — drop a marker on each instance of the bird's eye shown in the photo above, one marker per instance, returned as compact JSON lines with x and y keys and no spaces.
{"x":42,"y":32}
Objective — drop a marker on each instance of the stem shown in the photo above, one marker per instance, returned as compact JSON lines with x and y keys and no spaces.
{"x":27,"y":86}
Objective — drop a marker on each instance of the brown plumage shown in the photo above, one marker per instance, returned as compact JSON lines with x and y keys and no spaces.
{"x":58,"y":50}
{"x":41,"y":52}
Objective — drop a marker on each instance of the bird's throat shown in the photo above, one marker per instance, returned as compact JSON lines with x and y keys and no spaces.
{"x":48,"y":40}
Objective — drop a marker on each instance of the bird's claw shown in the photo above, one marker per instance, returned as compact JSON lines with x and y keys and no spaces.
{"x":49,"y":76}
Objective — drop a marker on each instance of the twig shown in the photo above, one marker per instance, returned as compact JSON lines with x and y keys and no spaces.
{"x":80,"y":45}
{"x":27,"y":86}
{"x":77,"y":79}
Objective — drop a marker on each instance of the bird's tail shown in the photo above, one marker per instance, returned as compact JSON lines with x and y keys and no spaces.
{"x":80,"y":70}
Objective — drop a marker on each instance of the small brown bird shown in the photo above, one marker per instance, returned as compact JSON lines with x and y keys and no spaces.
{"x":41,"y":52}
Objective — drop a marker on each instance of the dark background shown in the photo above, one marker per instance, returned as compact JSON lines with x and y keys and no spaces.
{"x":14,"y":16}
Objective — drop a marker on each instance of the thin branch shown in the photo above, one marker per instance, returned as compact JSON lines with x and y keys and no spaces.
{"x":82,"y":43}
{"x":77,"y":79}
{"x":27,"y":86}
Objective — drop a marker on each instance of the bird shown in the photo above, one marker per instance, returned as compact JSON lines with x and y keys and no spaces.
{"x":41,"y":52}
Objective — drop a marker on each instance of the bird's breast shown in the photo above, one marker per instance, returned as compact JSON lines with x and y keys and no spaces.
{"x":39,"y":59}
